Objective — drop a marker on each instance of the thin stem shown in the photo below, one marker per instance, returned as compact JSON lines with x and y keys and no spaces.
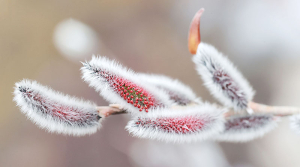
{"x":121,"y":112}
{"x":112,"y":109}
{"x":116,"y":109}
{"x":276,"y":110}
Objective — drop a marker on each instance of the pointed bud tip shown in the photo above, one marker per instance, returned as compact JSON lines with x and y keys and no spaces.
{"x":194,"y":33}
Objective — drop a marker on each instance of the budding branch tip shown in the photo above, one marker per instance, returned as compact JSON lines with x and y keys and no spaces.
{"x":194,"y":33}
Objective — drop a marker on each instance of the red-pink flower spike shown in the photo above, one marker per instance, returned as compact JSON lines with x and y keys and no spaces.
{"x":119,"y":85}
{"x":193,"y":124}
{"x":132,"y":93}
{"x":56,"y":112}
{"x":246,"y":128}
{"x":179,"y":125}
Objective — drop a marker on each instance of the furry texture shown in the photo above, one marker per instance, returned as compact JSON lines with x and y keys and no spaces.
{"x":295,"y":123}
{"x":195,"y":123}
{"x":223,"y":80}
{"x":177,"y":91}
{"x":54,"y":111}
{"x":122,"y":86}
{"x":246,"y":128}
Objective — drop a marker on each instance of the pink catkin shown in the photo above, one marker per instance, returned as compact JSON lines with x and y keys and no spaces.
{"x":231,"y":88}
{"x":248,"y":122}
{"x":195,"y":123}
{"x":58,"y":111}
{"x":177,"y":91}
{"x":222,"y":78}
{"x":131,"y":92}
{"x":178,"y":125}
{"x":247,"y":127}
{"x":177,"y":97}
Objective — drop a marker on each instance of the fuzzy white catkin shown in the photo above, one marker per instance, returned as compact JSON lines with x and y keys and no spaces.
{"x":54,"y":111}
{"x":295,"y":123}
{"x":223,"y":80}
{"x":195,"y":123}
{"x":246,"y":128}
{"x":178,"y":91}
{"x":91,"y":74}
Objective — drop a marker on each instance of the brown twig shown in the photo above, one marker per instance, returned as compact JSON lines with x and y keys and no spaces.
{"x":112,"y":109}
{"x":276,"y":110}
{"x":116,"y":109}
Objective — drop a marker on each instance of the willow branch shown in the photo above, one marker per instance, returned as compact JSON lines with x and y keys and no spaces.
{"x":276,"y":110}
{"x":112,"y":109}
{"x":116,"y":109}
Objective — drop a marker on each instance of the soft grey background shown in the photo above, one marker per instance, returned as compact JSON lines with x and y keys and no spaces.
{"x":261,"y":37}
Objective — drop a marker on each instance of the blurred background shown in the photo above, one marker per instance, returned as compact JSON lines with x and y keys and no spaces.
{"x":46,"y":40}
